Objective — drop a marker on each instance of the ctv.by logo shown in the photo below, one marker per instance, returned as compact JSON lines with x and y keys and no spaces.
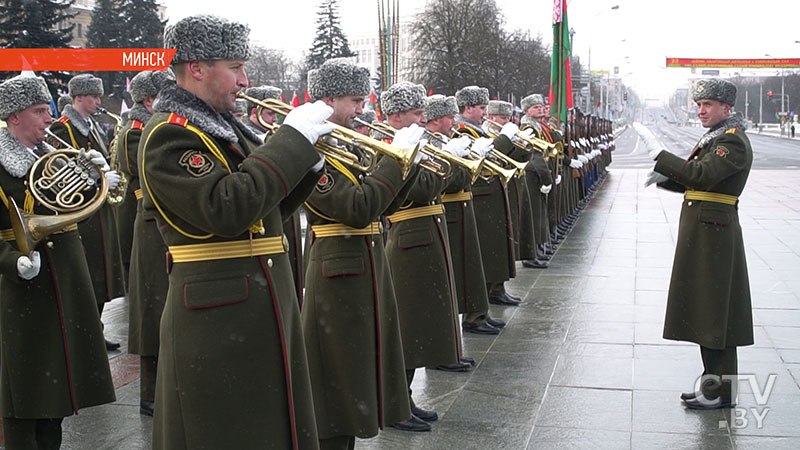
{"x":739,"y":415}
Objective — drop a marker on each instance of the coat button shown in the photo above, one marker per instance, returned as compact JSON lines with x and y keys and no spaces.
{"x":269,"y":263}
{"x":373,"y":243}
{"x":689,"y":204}
{"x":50,"y":244}
{"x":465,"y":204}
{"x":439,"y":219}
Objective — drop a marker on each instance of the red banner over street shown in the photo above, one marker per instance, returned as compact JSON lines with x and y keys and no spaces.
{"x":758,"y":63}
{"x":85,"y":59}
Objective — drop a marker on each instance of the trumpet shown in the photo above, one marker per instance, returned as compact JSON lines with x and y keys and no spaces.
{"x":441,"y":161}
{"x":117,"y":195}
{"x":370,"y":147}
{"x":490,"y":165}
{"x":529,"y":143}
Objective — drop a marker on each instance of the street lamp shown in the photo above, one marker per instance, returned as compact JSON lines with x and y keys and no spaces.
{"x":589,"y":68}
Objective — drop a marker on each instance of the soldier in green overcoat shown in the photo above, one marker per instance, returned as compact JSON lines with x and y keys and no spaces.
{"x":491,"y":198}
{"x":350,"y":316}
{"x":52,"y":357}
{"x":147,"y":278}
{"x":291,"y":227}
{"x":709,"y":293}
{"x":537,"y":173}
{"x":462,"y":230}
{"x":232,"y":367}
{"x":99,"y":236}
{"x":419,"y":257}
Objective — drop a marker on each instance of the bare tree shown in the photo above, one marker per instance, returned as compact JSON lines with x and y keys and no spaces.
{"x":463,"y":42}
{"x":272,"y":67}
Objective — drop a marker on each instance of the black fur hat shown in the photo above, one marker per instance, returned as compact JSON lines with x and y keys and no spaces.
{"x":21,"y":92}
{"x":438,"y":105}
{"x":338,"y":77}
{"x":85,"y":84}
{"x":715,"y":89}
{"x":402,"y":96}
{"x":472,"y":95}
{"x":206,"y":38}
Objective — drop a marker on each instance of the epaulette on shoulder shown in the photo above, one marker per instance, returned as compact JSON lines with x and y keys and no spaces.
{"x":136,"y":125}
{"x":175,"y":119}
{"x":62,"y":119}
{"x":730,"y":131}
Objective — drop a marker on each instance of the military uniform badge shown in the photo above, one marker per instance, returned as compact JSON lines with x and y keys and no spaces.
{"x":325,"y":183}
{"x":196,"y":163}
{"x":721,"y":151}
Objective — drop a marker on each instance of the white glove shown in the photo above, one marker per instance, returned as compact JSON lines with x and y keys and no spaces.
{"x":113,"y":179}
{"x":482,"y":146}
{"x":27,"y":268}
{"x":602,"y":146}
{"x":94,"y":157}
{"x":509,"y":130}
{"x":458,"y":146}
{"x":408,"y":137}
{"x":597,"y":153}
{"x":575,"y":164}
{"x":558,"y":180}
{"x":545,"y":189}
{"x":583,"y":159}
{"x":654,"y":178}
{"x":420,"y":155}
{"x":309,"y":120}
{"x":526,"y":133}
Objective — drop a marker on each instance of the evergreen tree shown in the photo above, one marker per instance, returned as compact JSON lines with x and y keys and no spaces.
{"x":330,"y":41}
{"x":143,"y":28}
{"x":36,"y":24}
{"x":107,"y":30}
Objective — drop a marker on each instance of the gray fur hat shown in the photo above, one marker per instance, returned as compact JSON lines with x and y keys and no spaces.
{"x":85,"y":84}
{"x":499,"y":108}
{"x":148,"y":83}
{"x":63,"y":101}
{"x":402,"y":96}
{"x":368,"y":116}
{"x":338,"y":77}
{"x":206,"y":38}
{"x":262,"y":93}
{"x":715,"y":89}
{"x":438,"y":105}
{"x":21,"y":92}
{"x":472,"y":95}
{"x":531,"y":100}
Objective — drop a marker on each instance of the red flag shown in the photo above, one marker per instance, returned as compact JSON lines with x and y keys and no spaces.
{"x":373,"y":102}
{"x":283,"y":98}
{"x":295,"y":100}
{"x":307,"y":97}
{"x":430,"y":92}
{"x":560,"y":77}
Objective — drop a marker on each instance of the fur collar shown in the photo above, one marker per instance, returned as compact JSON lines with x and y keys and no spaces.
{"x":75,"y":119}
{"x":15,"y":157}
{"x":140,"y":113}
{"x":175,"y":99}
{"x":720,"y":128}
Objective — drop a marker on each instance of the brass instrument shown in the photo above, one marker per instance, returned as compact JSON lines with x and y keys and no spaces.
{"x":117,"y":195}
{"x":490,"y":164}
{"x":529,"y":143}
{"x":441,"y":160}
{"x":370,"y":147}
{"x":63,"y":182}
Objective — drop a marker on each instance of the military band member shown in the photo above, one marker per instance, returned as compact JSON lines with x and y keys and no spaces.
{"x":350,"y":314}
{"x":490,"y":197}
{"x":53,"y":361}
{"x":291,"y":227}
{"x":366,"y":117}
{"x":500,"y":112}
{"x":79,"y":129}
{"x":425,"y":292}
{"x":709,"y":294}
{"x":147,"y":278}
{"x":232,"y":368}
{"x":538,"y":175}
{"x":63,"y":101}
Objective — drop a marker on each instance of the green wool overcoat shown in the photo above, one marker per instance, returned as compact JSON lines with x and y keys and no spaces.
{"x":350,"y":316}
{"x":709,"y":293}
{"x":232,"y":368}
{"x":419,"y":257}
{"x":53,"y":360}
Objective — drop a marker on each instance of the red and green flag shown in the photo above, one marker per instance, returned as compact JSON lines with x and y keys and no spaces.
{"x":373,"y":104}
{"x":560,"y":77}
{"x":295,"y":100}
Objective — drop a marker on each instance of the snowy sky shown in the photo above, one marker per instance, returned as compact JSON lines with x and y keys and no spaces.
{"x":636,"y":37}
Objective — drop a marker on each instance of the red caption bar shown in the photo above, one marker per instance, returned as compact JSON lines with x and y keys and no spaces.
{"x":759,"y":63}
{"x":85,"y":59}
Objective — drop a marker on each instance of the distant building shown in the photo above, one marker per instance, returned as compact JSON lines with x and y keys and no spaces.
{"x":83,"y":10}
{"x":366,"y":46}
